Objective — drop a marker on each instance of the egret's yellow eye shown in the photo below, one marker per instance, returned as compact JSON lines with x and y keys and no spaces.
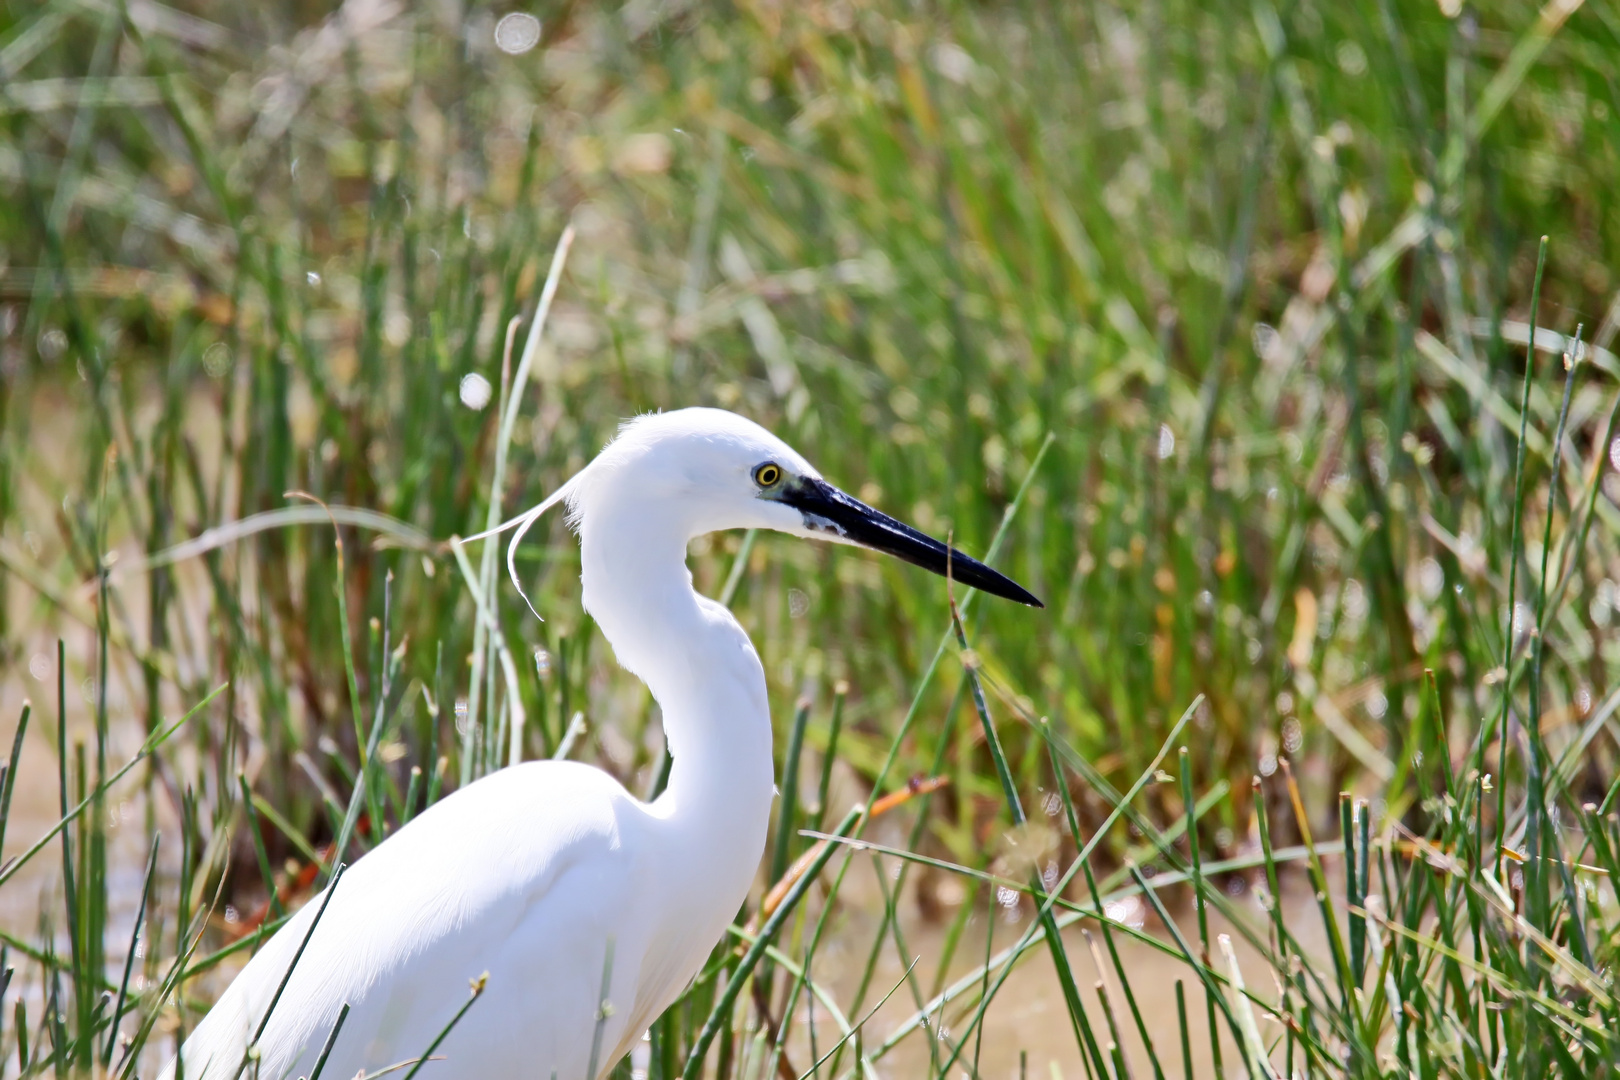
{"x":768,"y":474}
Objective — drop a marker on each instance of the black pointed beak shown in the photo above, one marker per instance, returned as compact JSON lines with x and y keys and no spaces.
{"x":828,"y":510}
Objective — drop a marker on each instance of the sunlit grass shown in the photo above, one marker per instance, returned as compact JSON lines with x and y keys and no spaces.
{"x":1222,"y":327}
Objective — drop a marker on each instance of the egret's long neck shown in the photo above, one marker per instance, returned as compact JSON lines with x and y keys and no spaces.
{"x":698,"y":663}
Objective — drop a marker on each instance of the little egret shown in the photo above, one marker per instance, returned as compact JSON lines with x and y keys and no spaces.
{"x":549,"y":875}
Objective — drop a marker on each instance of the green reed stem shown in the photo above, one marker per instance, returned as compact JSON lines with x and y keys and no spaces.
{"x":8,"y":782}
{"x":756,"y":952}
{"x":477,"y":992}
{"x":331,"y":1041}
{"x":1515,"y":545}
{"x":129,"y":957}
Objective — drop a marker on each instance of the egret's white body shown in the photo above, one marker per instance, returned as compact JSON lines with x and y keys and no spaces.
{"x":531,"y":872}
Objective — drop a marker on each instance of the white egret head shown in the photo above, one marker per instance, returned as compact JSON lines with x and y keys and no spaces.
{"x":696,"y":471}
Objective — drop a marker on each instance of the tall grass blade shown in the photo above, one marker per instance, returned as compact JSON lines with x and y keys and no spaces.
{"x":788,"y":810}
{"x":1212,"y":990}
{"x":604,"y":1009}
{"x":69,"y":888}
{"x":857,"y":1027}
{"x":8,"y":781}
{"x":331,"y":1041}
{"x":272,"y":894}
{"x":1083,"y":1036}
{"x":1049,"y":896}
{"x":477,"y":992}
{"x":1194,"y":846}
{"x":745,"y":966}
{"x":1257,"y":1057}
{"x":275,"y":999}
{"x":129,"y":957}
{"x":1186,"y":1035}
{"x":1515,"y":546}
{"x":835,"y":727}
{"x":1352,"y":892}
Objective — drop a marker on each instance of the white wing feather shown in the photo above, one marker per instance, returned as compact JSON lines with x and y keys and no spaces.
{"x":414,"y":920}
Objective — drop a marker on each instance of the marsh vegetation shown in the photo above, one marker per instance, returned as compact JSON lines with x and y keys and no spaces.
{"x":1226,"y":328}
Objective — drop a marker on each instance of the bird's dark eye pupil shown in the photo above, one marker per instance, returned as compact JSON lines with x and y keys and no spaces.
{"x":767,"y":474}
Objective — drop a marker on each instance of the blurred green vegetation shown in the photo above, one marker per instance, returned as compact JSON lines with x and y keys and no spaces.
{"x":1262,"y":272}
{"x":258,"y":250}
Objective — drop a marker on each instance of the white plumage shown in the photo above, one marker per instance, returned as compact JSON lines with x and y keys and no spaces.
{"x":529,"y":873}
